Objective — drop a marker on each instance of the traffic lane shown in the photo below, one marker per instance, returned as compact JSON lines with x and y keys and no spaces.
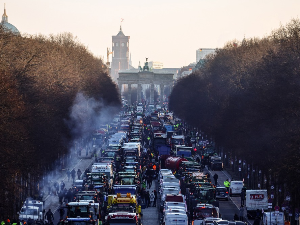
{"x":237,"y":202}
{"x":222,"y":176}
{"x":227,"y":209}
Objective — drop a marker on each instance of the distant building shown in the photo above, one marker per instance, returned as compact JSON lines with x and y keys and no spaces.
{"x":186,"y":70}
{"x":201,"y":53}
{"x":156,"y":65}
{"x":120,"y":54}
{"x":6,"y":25}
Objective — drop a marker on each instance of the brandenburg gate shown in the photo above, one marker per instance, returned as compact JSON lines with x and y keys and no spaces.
{"x":144,"y":76}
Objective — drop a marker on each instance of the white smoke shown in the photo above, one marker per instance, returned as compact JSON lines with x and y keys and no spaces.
{"x":86,"y":116}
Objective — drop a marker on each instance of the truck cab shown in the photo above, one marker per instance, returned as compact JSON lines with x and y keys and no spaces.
{"x":30,"y":212}
{"x":32,"y":209}
{"x":202,"y":211}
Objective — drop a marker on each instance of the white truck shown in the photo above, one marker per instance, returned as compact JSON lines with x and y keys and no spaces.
{"x":273,"y":218}
{"x":256,"y":200}
{"x":32,"y":209}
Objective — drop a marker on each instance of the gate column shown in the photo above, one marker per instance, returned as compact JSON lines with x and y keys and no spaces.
{"x":152,"y":93}
{"x":129,"y":94}
{"x":139,"y":90}
{"x":162,"y":87}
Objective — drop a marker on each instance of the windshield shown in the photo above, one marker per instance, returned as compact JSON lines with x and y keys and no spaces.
{"x":25,"y":211}
{"x":110,"y":154}
{"x":125,"y":191}
{"x":75,"y":211}
{"x":204,"y":194}
{"x":201,"y":213}
{"x":221,"y":190}
{"x":127,"y":181}
{"x":87,"y":197}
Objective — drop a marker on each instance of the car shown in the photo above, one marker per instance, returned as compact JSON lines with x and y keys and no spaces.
{"x":222,"y":193}
{"x":210,"y":220}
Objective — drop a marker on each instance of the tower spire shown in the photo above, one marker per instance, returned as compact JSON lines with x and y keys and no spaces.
{"x":4,"y":16}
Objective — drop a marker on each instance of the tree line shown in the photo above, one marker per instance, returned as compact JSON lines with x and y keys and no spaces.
{"x":246,"y":98}
{"x":39,"y":80}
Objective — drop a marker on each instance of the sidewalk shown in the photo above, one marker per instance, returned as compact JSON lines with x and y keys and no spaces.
{"x":151,"y":214}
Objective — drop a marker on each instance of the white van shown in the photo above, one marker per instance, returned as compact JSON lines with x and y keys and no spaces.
{"x":273,"y":218}
{"x":169,"y":190}
{"x":236,"y":187}
{"x":176,"y":218}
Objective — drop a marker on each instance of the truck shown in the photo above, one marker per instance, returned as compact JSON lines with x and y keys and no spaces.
{"x":173,"y":163}
{"x":32,"y":209}
{"x":164,"y":149}
{"x":273,"y":218}
{"x":123,"y":202}
{"x":216,"y":163}
{"x":202,"y":211}
{"x":102,"y":171}
{"x":256,"y":199}
{"x":122,"y":218}
{"x":182,"y":150}
{"x":84,"y":213}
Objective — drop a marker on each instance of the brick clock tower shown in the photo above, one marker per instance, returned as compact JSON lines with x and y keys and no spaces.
{"x":120,"y":54}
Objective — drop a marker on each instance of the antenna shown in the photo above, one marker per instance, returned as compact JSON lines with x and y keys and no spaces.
{"x":121,"y":23}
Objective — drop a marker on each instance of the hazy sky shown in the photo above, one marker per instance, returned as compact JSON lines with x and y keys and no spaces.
{"x":168,"y":31}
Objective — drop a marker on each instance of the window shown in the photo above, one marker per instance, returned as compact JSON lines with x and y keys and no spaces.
{"x":117,"y":44}
{"x":122,"y":44}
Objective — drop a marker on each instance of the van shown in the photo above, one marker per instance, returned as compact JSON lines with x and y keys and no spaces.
{"x":273,"y":218}
{"x":235,"y":188}
{"x":169,"y":190}
{"x":176,"y":218}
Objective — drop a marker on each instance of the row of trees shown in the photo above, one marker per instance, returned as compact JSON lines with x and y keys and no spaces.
{"x":39,"y":80}
{"x":246,"y":97}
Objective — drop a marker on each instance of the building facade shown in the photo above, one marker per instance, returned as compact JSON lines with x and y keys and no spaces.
{"x":156,"y":65}
{"x":120,"y":54}
{"x":201,"y":53}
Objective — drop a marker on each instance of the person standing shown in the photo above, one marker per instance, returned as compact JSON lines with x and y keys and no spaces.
{"x":61,"y":213}
{"x":62,"y":185}
{"x":243,"y":196}
{"x":68,"y":174}
{"x":227,"y":184}
{"x":216,"y":178}
{"x":73,"y":173}
{"x":155,"y":198}
{"x":147,"y":198}
{"x":49,"y":216}
{"x":152,"y":197}
{"x":79,"y":173}
{"x":148,"y":182}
